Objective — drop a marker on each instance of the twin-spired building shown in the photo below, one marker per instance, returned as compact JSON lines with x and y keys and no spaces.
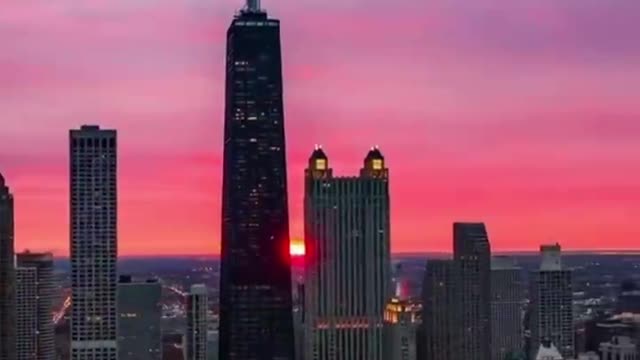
{"x":347,"y":259}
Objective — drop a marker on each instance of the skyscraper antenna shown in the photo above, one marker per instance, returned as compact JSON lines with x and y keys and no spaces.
{"x":253,"y":5}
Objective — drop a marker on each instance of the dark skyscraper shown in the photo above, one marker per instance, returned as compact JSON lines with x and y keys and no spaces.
{"x":42,"y":263}
{"x":93,"y":243}
{"x":507,"y":298}
{"x":7,"y":276}
{"x":26,"y":314}
{"x":436,"y":339}
{"x":472,"y":256}
{"x":139,"y":322}
{"x":255,"y":287}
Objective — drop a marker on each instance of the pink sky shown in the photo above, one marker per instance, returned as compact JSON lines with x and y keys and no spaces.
{"x":522,"y":114}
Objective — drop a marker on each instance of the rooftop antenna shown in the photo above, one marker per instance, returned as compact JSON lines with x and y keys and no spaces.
{"x":253,"y":5}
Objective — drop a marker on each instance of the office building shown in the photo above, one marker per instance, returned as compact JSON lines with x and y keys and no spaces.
{"x":212,"y":345}
{"x":196,"y":337}
{"x":7,"y":275}
{"x":436,"y":337}
{"x":400,"y":326}
{"x":507,"y":299}
{"x":93,"y":243}
{"x":472,"y":257}
{"x":551,"y":312}
{"x":347,"y":264}
{"x":42,"y":263}
{"x":26,"y":313}
{"x":139,"y":319}
{"x":298,"y":320}
{"x":619,"y":348}
{"x":255,"y":287}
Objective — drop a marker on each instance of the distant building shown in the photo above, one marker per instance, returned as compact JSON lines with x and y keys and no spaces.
{"x":139,"y":320}
{"x":472,"y":258}
{"x":629,"y":298}
{"x":93,"y":243}
{"x":196,"y":337}
{"x":507,"y":296}
{"x":588,"y":356}
{"x":26,"y":314}
{"x":400,"y":325}
{"x":7,"y":276}
{"x":436,"y":338}
{"x":45,"y":288}
{"x":603,"y":329}
{"x":619,"y":348}
{"x":551,"y":308}
{"x":547,"y":351}
{"x":347,"y":271}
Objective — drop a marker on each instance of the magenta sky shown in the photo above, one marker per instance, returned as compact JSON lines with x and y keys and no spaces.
{"x":523,"y":114}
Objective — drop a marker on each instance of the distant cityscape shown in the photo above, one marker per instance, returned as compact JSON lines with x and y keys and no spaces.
{"x":343,"y":297}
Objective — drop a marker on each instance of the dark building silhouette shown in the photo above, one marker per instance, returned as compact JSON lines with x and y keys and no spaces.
{"x":629,"y":298}
{"x":42,"y":265}
{"x":7,"y":276}
{"x":139,"y":322}
{"x":472,"y":257}
{"x":255,"y":288}
{"x":436,"y":338}
{"x":507,"y":298}
{"x":26,"y":313}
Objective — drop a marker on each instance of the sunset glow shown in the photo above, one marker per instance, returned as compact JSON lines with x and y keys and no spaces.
{"x":520,"y":114}
{"x":297,"y":247}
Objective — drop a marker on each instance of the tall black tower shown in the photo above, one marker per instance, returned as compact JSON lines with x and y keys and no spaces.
{"x":472,"y":258}
{"x":255,"y":290}
{"x":7,"y":276}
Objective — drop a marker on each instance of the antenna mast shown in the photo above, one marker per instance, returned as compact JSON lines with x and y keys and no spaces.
{"x":253,"y":5}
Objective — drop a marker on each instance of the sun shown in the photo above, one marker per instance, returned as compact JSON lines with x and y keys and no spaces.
{"x":296,"y":247}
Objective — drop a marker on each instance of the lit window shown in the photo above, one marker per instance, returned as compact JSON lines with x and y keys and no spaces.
{"x":377,"y":164}
{"x":321,"y":164}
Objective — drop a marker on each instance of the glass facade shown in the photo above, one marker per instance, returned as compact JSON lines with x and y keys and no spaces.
{"x":255,"y":290}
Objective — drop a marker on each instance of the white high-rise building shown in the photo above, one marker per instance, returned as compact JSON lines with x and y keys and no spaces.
{"x":347,"y":260}
{"x":93,"y":243}
{"x":551,"y":294}
{"x":196,"y":339}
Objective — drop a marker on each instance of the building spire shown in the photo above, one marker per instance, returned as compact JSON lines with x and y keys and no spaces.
{"x":253,"y":5}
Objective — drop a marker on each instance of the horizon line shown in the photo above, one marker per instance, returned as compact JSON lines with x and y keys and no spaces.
{"x":405,"y":253}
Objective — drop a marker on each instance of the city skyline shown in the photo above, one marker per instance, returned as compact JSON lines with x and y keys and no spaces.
{"x":537,"y":117}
